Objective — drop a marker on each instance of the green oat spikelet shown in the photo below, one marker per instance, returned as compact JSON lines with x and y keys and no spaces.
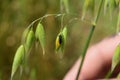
{"x":65,"y":33}
{"x":40,"y":35}
{"x":18,"y":60}
{"x":29,"y":40}
{"x":61,"y":40}
{"x":110,"y":5}
{"x":24,"y":35}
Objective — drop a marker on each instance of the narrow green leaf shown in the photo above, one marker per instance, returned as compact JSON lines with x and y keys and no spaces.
{"x":24,"y":36}
{"x":40,"y":35}
{"x":116,"y":58}
{"x":18,"y":59}
{"x":88,"y":5}
{"x":66,"y":4}
{"x":29,"y":40}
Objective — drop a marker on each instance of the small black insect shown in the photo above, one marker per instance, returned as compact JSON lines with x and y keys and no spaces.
{"x":60,"y":39}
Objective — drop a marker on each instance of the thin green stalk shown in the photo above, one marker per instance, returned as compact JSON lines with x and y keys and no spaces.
{"x":89,"y":38}
{"x":61,"y":6}
{"x":62,"y":20}
{"x":85,"y":49}
{"x":41,"y":18}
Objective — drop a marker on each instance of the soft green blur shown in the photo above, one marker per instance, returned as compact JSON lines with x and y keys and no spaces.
{"x":16,"y":15}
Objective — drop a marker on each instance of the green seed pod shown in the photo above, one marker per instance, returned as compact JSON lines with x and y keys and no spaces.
{"x":116,"y":58}
{"x":61,"y":40}
{"x":18,"y":59}
{"x":29,"y":40}
{"x":40,"y":35}
{"x":64,"y":32}
{"x":24,"y":36}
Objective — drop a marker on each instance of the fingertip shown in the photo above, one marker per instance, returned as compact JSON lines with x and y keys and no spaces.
{"x":71,"y":75}
{"x":97,"y":60}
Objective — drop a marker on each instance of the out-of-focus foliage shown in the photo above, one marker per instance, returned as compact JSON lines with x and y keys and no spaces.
{"x":65,"y":4}
{"x":118,"y":21}
{"x":16,"y":15}
{"x":88,"y":5}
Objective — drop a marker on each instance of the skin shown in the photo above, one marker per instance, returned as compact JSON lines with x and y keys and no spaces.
{"x":97,"y":61}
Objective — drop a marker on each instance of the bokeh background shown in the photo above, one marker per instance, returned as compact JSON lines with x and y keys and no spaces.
{"x":16,"y":15}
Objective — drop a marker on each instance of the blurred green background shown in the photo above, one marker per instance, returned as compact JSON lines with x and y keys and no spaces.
{"x":16,"y":15}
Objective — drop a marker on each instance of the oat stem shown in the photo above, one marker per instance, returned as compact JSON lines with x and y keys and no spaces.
{"x":89,"y":38}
